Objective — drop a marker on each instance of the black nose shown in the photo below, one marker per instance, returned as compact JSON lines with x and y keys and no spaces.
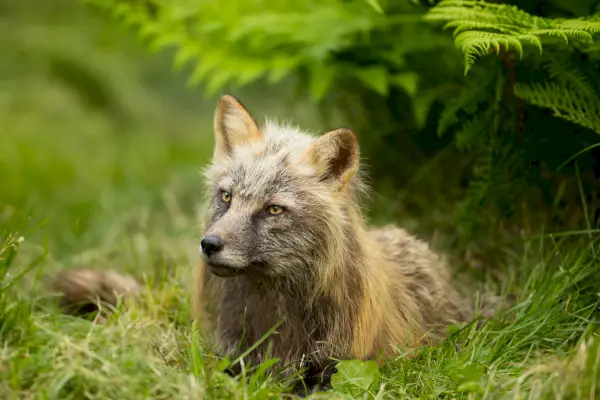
{"x":211,"y":244}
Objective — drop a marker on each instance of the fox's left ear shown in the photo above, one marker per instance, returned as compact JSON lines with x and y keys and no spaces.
{"x":336,"y":156}
{"x":233,"y":125}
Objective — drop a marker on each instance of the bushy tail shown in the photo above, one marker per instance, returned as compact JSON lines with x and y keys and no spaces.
{"x":82,"y":289}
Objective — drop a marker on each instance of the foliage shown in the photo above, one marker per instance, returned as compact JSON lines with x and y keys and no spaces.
{"x":570,"y":95}
{"x":480,"y":26}
{"x":386,"y":69}
{"x":569,"y":89}
{"x":228,"y":43}
{"x":355,"y":377}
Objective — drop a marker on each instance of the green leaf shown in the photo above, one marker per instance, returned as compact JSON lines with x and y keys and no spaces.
{"x":564,"y":101}
{"x":469,"y":378}
{"x":223,"y":364}
{"x":422,"y":105}
{"x":375,"y":5}
{"x":471,"y":372}
{"x":184,"y":55}
{"x":321,"y":77}
{"x":409,"y":81}
{"x":480,"y":26}
{"x":470,"y":387}
{"x":355,"y":377}
{"x":375,"y":78}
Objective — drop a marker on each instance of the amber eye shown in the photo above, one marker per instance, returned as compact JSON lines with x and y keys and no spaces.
{"x":274,"y":210}
{"x":225,"y":196}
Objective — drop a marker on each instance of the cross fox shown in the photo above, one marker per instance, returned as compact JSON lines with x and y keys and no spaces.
{"x":285,"y":243}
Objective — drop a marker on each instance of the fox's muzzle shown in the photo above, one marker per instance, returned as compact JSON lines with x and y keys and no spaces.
{"x":211,"y":244}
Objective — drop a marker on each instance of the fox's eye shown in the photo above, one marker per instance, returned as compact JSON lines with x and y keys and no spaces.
{"x":225,"y":196}
{"x":274,"y":210}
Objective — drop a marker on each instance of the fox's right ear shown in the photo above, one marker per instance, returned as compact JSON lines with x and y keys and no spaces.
{"x":233,"y":126}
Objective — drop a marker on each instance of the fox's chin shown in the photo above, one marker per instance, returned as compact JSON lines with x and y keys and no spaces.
{"x":224,"y":271}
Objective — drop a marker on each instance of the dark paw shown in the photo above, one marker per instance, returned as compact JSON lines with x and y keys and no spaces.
{"x":234,"y":370}
{"x":314,"y":381}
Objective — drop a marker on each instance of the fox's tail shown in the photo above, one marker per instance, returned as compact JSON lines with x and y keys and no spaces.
{"x":81,"y":289}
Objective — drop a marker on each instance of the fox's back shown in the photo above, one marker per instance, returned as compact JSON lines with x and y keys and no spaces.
{"x":418,"y":276}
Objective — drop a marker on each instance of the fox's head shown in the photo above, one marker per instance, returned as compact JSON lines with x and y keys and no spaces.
{"x":280,"y":201}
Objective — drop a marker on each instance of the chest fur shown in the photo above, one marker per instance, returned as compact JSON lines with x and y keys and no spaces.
{"x":247,"y":312}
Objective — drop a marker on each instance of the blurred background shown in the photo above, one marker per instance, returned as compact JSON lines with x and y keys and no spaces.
{"x":106,"y":118}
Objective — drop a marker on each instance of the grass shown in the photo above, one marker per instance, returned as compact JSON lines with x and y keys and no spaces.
{"x":115,"y":184}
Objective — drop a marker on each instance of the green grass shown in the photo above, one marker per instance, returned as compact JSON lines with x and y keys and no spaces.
{"x":114,"y":182}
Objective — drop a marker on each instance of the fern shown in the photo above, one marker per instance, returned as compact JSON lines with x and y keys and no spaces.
{"x":470,"y":97}
{"x":386,"y":60}
{"x":480,"y":26}
{"x":477,"y":192}
{"x":240,"y":42}
{"x":564,"y":101}
{"x":563,"y":72}
{"x":470,"y":136}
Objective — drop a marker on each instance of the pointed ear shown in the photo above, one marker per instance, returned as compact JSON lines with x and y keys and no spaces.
{"x":233,"y":126}
{"x":336,"y":156}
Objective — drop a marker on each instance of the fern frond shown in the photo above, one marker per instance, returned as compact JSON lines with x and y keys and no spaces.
{"x":590,"y":24}
{"x":474,"y":132}
{"x":466,"y":102}
{"x":478,"y":43}
{"x":563,"y":72}
{"x":477,"y":191}
{"x":462,"y":25}
{"x":241,"y":42}
{"x":564,"y":102}
{"x":479,"y":10}
{"x":480,"y":26}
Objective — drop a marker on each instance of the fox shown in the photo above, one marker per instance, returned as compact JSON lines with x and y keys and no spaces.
{"x":285,"y":244}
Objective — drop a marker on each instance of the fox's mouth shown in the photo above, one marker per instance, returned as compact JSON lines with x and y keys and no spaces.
{"x":224,"y":271}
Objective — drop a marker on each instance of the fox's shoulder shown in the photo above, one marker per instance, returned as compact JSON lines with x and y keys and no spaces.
{"x":398,"y":242}
{"x":410,"y":258}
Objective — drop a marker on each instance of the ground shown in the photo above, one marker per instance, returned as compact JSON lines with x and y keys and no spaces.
{"x":111,"y":179}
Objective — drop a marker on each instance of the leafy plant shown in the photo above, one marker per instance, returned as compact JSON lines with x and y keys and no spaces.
{"x":488,"y":117}
{"x":355,"y":377}
{"x":480,"y":26}
{"x":229,"y":41}
{"x":399,"y":81}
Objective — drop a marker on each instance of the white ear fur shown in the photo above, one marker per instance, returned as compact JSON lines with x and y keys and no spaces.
{"x":233,"y":126}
